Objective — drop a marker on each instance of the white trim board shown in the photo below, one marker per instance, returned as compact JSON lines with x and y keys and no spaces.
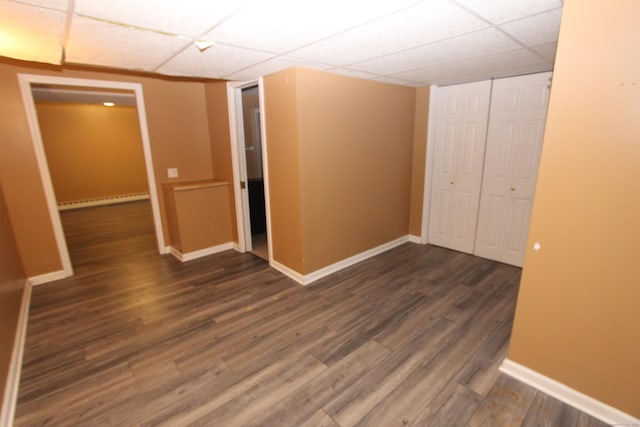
{"x":13,"y":376}
{"x":428,"y":164}
{"x":25,"y":81}
{"x":47,"y":277}
{"x":306,"y":279}
{"x":578,"y":400}
{"x":238,"y":160}
{"x":183,"y":257}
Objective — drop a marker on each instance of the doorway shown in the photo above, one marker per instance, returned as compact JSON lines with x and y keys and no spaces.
{"x":249,"y":155}
{"x":29,"y":83}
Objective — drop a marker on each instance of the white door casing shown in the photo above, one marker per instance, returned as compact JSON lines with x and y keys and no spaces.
{"x":514,"y":142}
{"x":25,"y":81}
{"x":459,"y":146}
{"x":238,"y":158}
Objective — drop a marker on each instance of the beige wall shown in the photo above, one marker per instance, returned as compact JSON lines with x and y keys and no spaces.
{"x":220,"y":140}
{"x":12,"y":285}
{"x":578,"y":313}
{"x":92,"y":151}
{"x":421,"y":122}
{"x":198,"y":215}
{"x":356,"y":142}
{"x":340,"y":165}
{"x":284,"y":168}
{"x":178,"y":130}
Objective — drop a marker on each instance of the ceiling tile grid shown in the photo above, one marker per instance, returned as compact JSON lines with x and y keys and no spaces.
{"x":406,"y":42}
{"x":279,"y":26}
{"x":189,"y":18}
{"x":467,"y":46}
{"x":501,"y":11}
{"x":271,"y":66}
{"x":215,"y":62}
{"x":414,"y":26}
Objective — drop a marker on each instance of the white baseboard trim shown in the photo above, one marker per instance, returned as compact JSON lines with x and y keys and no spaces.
{"x":578,"y":400}
{"x":292,"y":274}
{"x":201,"y":252}
{"x":13,"y":378}
{"x":48,"y":277}
{"x":416,"y":239}
{"x":306,"y":279}
{"x":236,"y":246}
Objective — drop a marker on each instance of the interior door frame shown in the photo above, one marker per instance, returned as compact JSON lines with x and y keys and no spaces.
{"x":428,"y":168}
{"x":25,"y":81}
{"x":238,"y":159}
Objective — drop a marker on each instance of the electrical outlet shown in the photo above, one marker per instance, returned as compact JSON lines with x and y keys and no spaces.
{"x":172,"y":172}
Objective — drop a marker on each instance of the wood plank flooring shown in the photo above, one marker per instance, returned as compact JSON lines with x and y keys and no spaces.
{"x":412,"y":337}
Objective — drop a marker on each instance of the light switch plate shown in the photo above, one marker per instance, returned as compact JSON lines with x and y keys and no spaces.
{"x":172,"y":172}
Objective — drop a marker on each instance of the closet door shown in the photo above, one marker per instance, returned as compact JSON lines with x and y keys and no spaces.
{"x":459,"y":144}
{"x":514,"y":142}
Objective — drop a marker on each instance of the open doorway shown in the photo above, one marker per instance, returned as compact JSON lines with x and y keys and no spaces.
{"x":250,"y":171}
{"x":255,"y":177}
{"x":36,"y":88}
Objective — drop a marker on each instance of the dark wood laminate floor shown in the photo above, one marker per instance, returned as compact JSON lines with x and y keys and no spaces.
{"x":411,"y":337}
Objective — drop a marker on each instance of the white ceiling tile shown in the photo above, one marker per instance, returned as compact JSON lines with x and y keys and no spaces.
{"x":417,"y":25}
{"x":215,"y":62}
{"x":399,"y":82}
{"x":479,"y":43}
{"x":101,"y":43}
{"x":547,"y":50}
{"x":499,"y":11}
{"x":49,"y":4}
{"x":190,"y":17}
{"x":282,"y":25}
{"x":352,"y":73}
{"x":537,"y":29}
{"x":501,"y":64}
{"x":271,"y":66}
{"x":31,"y":33}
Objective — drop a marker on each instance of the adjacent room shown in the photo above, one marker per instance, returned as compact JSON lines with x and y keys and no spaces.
{"x":292,"y":213}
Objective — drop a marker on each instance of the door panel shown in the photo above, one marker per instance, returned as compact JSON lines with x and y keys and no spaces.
{"x":459,"y":143}
{"x":514,"y":142}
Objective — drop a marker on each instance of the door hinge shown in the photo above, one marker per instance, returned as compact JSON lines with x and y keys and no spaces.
{"x":243,"y":185}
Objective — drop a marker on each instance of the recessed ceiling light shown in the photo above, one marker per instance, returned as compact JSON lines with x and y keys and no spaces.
{"x":108,"y":104}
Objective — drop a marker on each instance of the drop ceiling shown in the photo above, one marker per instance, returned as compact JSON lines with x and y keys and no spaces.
{"x":406,"y":42}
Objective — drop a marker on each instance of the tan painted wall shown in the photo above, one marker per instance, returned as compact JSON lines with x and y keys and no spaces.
{"x":420,"y":125}
{"x":198,"y":215}
{"x":178,"y":129}
{"x":284,"y":168}
{"x":356,"y":142}
{"x":340,"y":166}
{"x":93,"y":151}
{"x":12,"y":285}
{"x":578,"y":314}
{"x":220,"y":139}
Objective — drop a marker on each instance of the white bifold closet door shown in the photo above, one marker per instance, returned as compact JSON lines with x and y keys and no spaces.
{"x":461,"y":127}
{"x":487,"y":143}
{"x":514,"y":142}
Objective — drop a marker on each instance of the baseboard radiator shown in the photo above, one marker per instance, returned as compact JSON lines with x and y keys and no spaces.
{"x":108,"y":200}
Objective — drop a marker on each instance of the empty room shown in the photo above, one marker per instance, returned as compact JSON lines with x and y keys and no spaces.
{"x":297,"y":213}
